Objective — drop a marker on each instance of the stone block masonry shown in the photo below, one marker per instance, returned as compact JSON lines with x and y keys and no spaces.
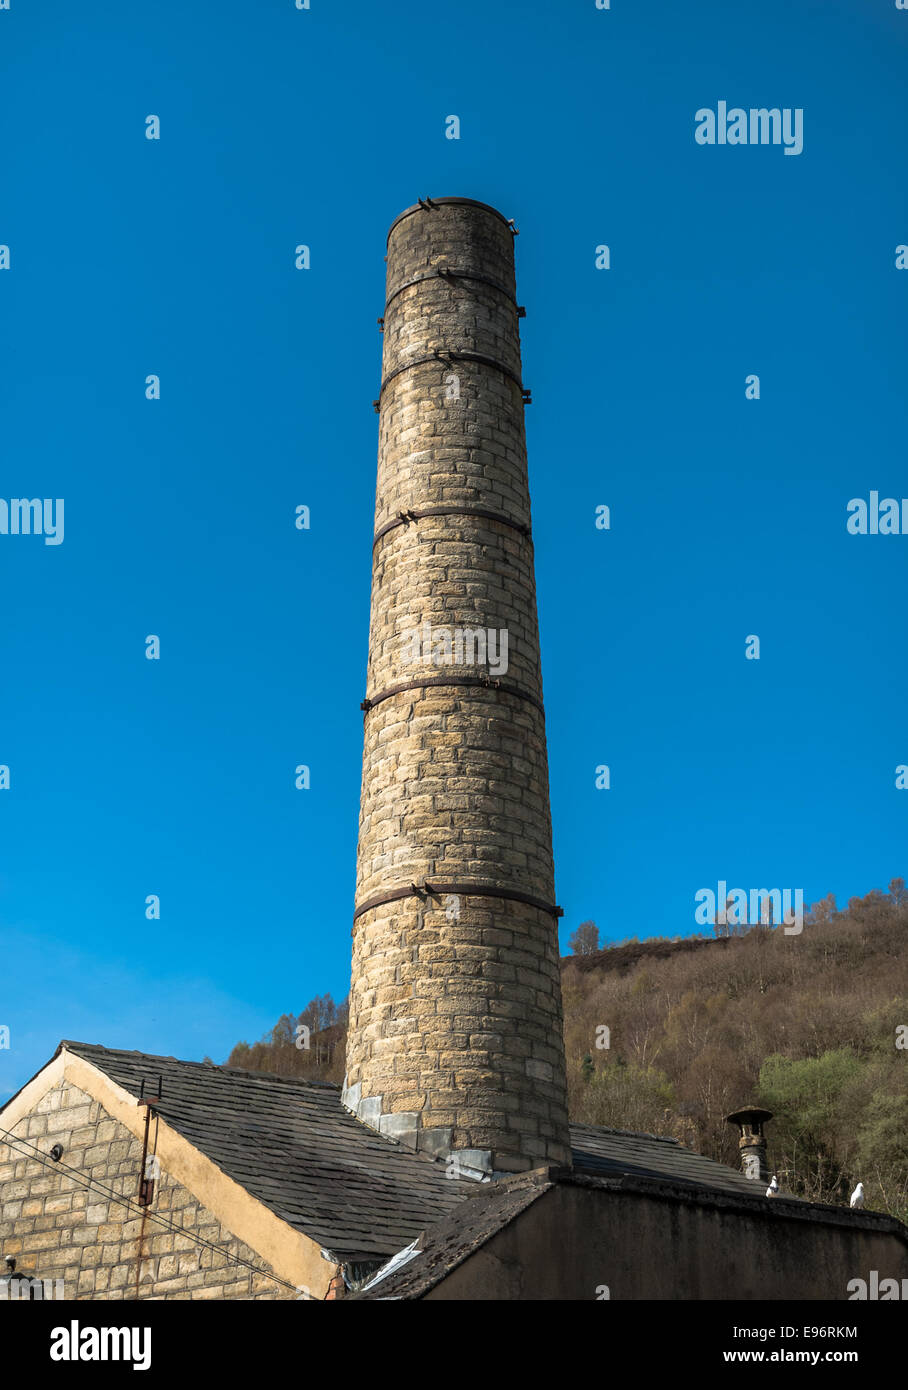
{"x":60,"y":1224}
{"x":455,"y":1039}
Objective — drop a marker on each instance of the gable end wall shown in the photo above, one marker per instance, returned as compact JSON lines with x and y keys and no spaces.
{"x":58,"y":1228}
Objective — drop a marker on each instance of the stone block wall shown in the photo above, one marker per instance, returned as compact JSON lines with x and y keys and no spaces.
{"x":57,"y":1227}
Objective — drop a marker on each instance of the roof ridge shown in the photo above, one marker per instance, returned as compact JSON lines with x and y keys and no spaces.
{"x":630,"y":1133}
{"x":134,"y":1053}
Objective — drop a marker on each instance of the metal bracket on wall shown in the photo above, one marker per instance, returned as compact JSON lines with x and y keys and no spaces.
{"x":146,"y":1182}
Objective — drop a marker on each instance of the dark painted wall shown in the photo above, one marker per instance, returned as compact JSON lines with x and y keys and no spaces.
{"x":575,"y":1239}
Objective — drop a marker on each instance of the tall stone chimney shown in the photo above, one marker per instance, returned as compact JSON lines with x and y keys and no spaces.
{"x":455,"y":1035}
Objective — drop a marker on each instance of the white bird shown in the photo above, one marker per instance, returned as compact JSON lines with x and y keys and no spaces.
{"x":773,"y":1188}
{"x":857,"y":1196}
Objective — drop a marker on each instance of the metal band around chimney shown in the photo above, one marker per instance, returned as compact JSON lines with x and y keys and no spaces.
{"x":417,"y":513}
{"x":445,"y":274}
{"x":457,"y":890}
{"x":485,"y":683}
{"x":451,"y":356}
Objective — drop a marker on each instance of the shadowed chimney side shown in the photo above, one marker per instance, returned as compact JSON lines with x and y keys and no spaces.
{"x":455,"y":1033}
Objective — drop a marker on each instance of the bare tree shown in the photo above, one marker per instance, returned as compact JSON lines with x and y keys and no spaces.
{"x":585,"y":940}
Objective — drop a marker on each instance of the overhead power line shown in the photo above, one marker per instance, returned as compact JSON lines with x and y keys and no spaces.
{"x":93,"y":1185}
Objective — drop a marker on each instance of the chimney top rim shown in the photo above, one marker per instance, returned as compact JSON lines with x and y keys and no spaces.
{"x":463,"y":202}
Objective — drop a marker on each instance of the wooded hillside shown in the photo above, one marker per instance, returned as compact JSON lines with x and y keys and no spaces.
{"x":813,"y":1026}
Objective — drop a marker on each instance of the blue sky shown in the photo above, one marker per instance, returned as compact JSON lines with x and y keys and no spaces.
{"x":175,"y":257}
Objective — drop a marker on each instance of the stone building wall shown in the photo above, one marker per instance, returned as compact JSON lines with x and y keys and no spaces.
{"x":57,"y":1228}
{"x":455,"y":1038}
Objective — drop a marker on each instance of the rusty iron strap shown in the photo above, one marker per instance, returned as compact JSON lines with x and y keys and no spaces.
{"x":452,"y":275}
{"x":451,"y":356}
{"x":487,"y":683}
{"x":459,"y":890}
{"x":416,"y":514}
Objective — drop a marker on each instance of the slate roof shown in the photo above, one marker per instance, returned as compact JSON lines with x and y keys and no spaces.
{"x":361,"y":1195}
{"x":608,"y":1152}
{"x":291,"y":1144}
